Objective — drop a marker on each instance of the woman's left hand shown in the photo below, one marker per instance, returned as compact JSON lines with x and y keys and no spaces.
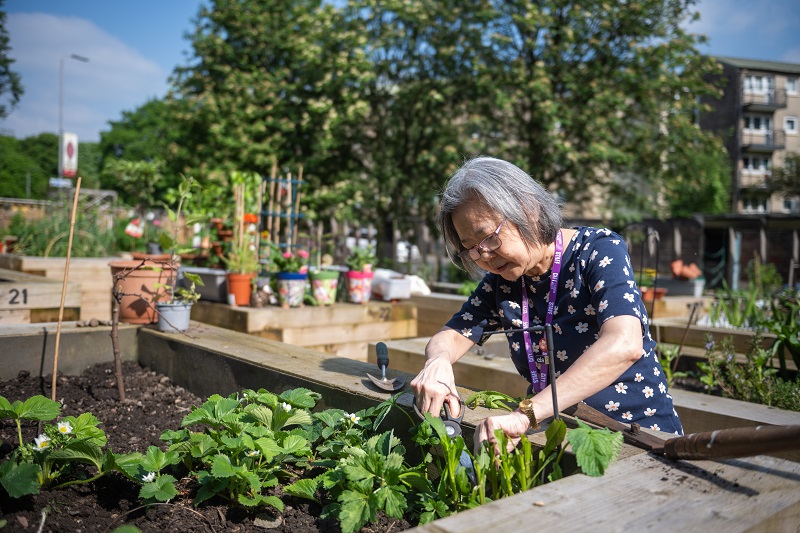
{"x":514,"y":425}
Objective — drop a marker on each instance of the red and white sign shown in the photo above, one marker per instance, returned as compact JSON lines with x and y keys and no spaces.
{"x":69,"y":154}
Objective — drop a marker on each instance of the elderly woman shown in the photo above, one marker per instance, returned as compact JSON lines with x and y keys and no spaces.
{"x":495,"y":218}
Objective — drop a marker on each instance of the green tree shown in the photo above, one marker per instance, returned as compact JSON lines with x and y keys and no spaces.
{"x":140,"y":183}
{"x":786,"y":179}
{"x":20,"y":172}
{"x":140,"y":135}
{"x":10,"y":81}
{"x":587,"y":94}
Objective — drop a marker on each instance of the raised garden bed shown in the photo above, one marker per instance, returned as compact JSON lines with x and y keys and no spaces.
{"x":740,"y":495}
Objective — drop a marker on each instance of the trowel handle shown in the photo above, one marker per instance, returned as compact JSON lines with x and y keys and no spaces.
{"x":383,"y":355}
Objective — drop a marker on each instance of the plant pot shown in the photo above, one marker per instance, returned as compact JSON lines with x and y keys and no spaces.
{"x":359,"y":286}
{"x":138,"y":286}
{"x":649,"y":294}
{"x":152,"y":257}
{"x":173,"y":316}
{"x":240,"y":286}
{"x":291,"y":288}
{"x":324,"y":284}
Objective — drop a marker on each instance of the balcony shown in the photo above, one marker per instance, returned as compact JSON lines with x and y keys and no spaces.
{"x":768,"y":101}
{"x":753,"y":179}
{"x":763,"y":141}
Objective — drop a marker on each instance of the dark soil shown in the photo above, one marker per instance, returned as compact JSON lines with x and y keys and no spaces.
{"x":153,"y":404}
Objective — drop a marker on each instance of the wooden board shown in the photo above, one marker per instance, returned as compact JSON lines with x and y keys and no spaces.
{"x":26,"y":298}
{"x":91,"y":274}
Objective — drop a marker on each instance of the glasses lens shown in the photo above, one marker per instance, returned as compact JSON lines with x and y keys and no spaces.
{"x":489,"y":244}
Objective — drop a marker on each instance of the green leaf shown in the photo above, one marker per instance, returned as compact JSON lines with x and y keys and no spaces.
{"x":298,"y":417}
{"x":161,"y":489}
{"x":294,"y":444}
{"x":304,"y":488}
{"x":130,"y":464}
{"x":34,"y":408}
{"x":594,"y":449}
{"x":300,"y":397}
{"x":555,"y":433}
{"x":156,"y":460}
{"x":222,"y":467}
{"x":356,"y":510}
{"x":20,"y":480}
{"x":260,"y":413}
{"x":81,"y":451}
{"x":127,"y":528}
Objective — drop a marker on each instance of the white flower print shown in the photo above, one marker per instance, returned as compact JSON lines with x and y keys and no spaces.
{"x":515,"y":346}
{"x":572,"y":266}
{"x":536,"y":278}
{"x":586,"y":246}
{"x":505,"y":288}
{"x":487,"y":287}
{"x":621,"y":388}
{"x":638,"y":378}
{"x":475,"y":301}
{"x":583,"y":262}
{"x":574,"y":293}
{"x":628,"y":296}
{"x":599,"y":285}
{"x":467,"y":332}
{"x":571,"y":310}
{"x":513,"y":305}
{"x":467,"y":316}
{"x":557,"y":328}
{"x":625,"y":271}
{"x":627,"y":415}
{"x":655,"y":427}
{"x":582,"y":327}
{"x":589,"y":310}
{"x":605,"y":261}
{"x":662,"y":388}
{"x":648,"y":392}
{"x":631,"y":283}
{"x":517,"y":323}
{"x":501,"y":313}
{"x":637,"y":312}
{"x":656,"y":371}
{"x":561,"y":354}
{"x":604,"y":231}
{"x":569,"y":283}
{"x":615,"y":241}
{"x":649,"y":411}
{"x":594,"y":254}
{"x":602,"y":306}
{"x":612,"y":406}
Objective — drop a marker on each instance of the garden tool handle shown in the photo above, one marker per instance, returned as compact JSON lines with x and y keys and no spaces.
{"x":735,"y":442}
{"x":383,"y":355}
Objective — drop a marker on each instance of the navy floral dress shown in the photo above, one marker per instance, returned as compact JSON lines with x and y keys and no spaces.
{"x":596,"y":283}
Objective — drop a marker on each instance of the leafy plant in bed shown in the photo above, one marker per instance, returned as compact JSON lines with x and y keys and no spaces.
{"x":245,"y":447}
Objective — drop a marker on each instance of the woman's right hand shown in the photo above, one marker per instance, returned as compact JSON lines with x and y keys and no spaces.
{"x":434,"y":386}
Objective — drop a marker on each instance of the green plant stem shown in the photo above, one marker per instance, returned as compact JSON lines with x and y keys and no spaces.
{"x":78,"y":481}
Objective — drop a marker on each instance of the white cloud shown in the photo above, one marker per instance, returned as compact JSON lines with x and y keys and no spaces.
{"x":117,"y":77}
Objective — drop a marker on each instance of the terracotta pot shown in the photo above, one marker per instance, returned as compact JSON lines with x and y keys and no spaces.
{"x":324,"y":284}
{"x":138,"y":286}
{"x":240,"y":286}
{"x":291,"y":288}
{"x":152,"y":257}
{"x":649,"y":294}
{"x":359,"y":286}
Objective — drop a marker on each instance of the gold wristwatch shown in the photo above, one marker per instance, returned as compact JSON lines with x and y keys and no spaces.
{"x":526,"y":406}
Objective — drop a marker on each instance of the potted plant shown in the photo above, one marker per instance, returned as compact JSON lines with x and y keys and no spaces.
{"x":242,"y":265}
{"x":360,"y":274}
{"x":174,"y":304}
{"x":647,"y":284}
{"x":292,"y":273}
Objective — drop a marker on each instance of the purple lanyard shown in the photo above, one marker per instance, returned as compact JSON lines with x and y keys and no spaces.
{"x":538,"y":364}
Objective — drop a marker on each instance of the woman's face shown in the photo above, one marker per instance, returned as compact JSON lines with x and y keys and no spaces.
{"x":474,"y":222}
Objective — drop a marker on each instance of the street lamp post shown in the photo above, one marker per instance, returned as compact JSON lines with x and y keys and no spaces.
{"x":61,"y":109}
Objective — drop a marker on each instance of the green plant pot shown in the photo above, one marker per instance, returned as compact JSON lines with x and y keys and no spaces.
{"x":324,"y":284}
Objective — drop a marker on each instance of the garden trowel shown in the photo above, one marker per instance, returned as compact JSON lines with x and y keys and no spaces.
{"x":383,"y":361}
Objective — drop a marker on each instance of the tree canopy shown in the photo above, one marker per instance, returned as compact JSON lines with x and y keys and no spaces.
{"x":10,"y":82}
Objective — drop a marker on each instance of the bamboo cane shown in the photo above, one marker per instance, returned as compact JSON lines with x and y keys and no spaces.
{"x":296,"y":208}
{"x":272,"y":179}
{"x":279,"y":208}
{"x":64,"y":286}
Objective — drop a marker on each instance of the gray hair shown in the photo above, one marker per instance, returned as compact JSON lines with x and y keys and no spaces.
{"x":505,"y":189}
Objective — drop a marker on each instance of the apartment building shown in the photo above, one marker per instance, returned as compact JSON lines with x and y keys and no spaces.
{"x":758,"y":115}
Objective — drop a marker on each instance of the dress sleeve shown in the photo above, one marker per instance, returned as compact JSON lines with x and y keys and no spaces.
{"x":608,"y":274}
{"x":478,"y":315}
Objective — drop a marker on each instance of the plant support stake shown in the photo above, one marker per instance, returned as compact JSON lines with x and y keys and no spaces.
{"x":64,"y":286}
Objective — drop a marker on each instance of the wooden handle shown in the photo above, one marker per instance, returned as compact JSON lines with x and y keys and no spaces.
{"x":736,"y":442}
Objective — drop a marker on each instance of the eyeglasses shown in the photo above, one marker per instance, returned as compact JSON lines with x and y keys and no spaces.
{"x":489,"y":244}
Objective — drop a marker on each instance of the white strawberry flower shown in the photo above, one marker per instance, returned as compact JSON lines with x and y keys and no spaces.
{"x":64,"y":427}
{"x":286,"y":407}
{"x":353,"y":418}
{"x":41,"y":442}
{"x":147,"y":478}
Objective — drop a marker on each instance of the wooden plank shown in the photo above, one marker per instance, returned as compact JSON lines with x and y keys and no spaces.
{"x":313,"y":335}
{"x":10,"y":316}
{"x":741,"y":495}
{"x":672,"y":332}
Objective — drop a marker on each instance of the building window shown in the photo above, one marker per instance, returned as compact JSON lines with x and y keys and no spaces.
{"x":755,"y":203}
{"x":790,"y":124}
{"x":755,"y":165}
{"x":758,"y":84}
{"x":757,"y":123}
{"x":791,"y":86}
{"x":791,"y":205}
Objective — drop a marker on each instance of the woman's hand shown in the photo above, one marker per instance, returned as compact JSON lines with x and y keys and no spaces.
{"x":514,"y":425}
{"x":434,"y":386}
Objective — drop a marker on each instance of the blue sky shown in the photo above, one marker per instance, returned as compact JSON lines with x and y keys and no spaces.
{"x":133,"y":47}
